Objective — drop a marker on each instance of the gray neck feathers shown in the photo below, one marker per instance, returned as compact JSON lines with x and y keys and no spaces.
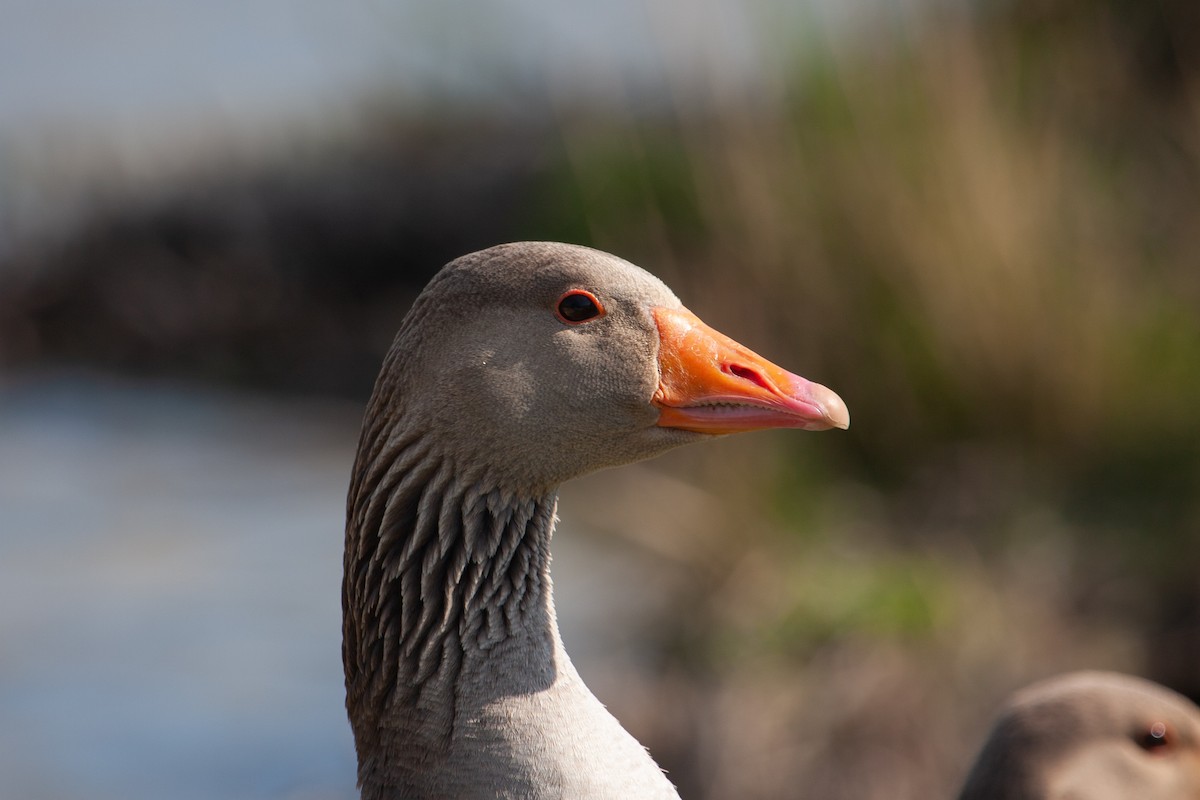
{"x":457,"y":684}
{"x":440,"y":571}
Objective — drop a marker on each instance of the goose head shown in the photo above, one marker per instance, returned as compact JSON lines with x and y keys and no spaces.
{"x":1091,"y":736}
{"x":537,"y":362}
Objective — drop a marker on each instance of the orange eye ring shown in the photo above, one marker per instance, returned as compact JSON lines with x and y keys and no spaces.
{"x":578,"y":306}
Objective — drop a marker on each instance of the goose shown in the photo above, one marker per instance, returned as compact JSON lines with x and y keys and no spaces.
{"x":1091,"y":736}
{"x":517,"y":368}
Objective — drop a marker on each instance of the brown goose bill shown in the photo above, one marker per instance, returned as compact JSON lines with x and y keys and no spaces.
{"x":711,"y":384}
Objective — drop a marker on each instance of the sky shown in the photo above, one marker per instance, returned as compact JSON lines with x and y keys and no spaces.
{"x":115,"y":95}
{"x":124,"y":66}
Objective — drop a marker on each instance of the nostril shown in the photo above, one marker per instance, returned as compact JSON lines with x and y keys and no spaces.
{"x":748,"y":374}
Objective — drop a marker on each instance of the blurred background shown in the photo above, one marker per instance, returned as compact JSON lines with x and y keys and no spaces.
{"x":978,"y":222}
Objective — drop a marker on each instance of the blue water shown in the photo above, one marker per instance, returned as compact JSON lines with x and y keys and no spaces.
{"x":170,"y":561}
{"x":169,"y":602}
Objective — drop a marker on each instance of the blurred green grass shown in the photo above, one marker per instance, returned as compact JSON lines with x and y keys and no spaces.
{"x":970,"y":237}
{"x":957,"y":258}
{"x":982,"y":229}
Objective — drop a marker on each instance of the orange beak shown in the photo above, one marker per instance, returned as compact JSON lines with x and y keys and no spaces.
{"x":711,"y":384}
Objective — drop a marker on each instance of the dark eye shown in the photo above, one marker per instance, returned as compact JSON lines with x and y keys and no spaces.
{"x":1155,"y":739}
{"x":578,"y":306}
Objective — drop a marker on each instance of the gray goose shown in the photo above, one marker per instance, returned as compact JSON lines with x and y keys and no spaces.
{"x":1091,"y":736}
{"x":517,"y":368}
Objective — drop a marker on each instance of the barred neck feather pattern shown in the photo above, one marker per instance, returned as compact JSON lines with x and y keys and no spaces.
{"x":439,"y":566}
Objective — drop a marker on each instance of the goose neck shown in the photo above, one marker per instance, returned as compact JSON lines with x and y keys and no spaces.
{"x":446,"y":589}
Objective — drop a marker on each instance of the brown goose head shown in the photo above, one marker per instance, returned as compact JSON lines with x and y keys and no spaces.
{"x":1091,"y":736}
